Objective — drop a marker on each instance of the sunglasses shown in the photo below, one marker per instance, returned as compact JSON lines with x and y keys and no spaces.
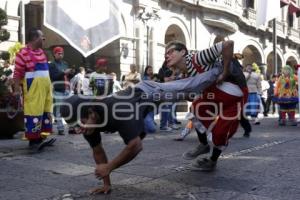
{"x":171,"y":50}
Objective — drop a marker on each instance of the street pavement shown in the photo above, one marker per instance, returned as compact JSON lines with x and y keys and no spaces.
{"x":262,"y":167}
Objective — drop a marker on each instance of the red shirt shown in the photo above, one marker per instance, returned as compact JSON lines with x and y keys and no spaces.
{"x":26,"y":60}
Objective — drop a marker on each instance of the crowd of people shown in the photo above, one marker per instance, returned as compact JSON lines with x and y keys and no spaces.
{"x":222,"y":92}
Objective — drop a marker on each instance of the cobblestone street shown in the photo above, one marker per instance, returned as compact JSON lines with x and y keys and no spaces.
{"x":264,"y":166}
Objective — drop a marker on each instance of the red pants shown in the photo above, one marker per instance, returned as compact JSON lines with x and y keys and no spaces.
{"x":219,"y":107}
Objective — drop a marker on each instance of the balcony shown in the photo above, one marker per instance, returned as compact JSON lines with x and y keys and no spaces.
{"x":279,"y":28}
{"x":233,"y":7}
{"x":293,"y":33}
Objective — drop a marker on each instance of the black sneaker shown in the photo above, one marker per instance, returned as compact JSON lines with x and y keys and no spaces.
{"x":45,"y":143}
{"x":247,"y":134}
{"x":34,"y":144}
{"x":204,"y":164}
{"x":40,"y":144}
{"x":194,"y":153}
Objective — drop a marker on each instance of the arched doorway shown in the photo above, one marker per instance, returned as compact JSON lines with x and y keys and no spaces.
{"x":251,"y":55}
{"x":174,"y":32}
{"x":291,"y":61}
{"x":270,"y":66}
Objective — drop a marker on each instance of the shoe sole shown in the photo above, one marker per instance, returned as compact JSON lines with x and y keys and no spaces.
{"x":46,"y":143}
{"x":192,"y":158}
{"x":178,"y":139}
{"x":195,"y":168}
{"x":165,"y":130}
{"x":51,"y":142}
{"x":188,"y":158}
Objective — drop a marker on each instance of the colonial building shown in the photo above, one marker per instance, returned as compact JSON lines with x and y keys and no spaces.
{"x":147,"y":25}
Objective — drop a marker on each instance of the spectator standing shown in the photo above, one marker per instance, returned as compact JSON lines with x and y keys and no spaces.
{"x":59,"y":72}
{"x":100,"y":82}
{"x":77,"y":80}
{"x":254,"y":87}
{"x":148,"y":73}
{"x":132,"y":78}
{"x":86,"y":89}
{"x":149,"y":123}
{"x":264,"y":96}
{"x":117,"y":85}
{"x":270,"y":96}
{"x":167,"y":119}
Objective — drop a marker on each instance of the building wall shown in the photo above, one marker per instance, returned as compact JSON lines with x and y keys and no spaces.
{"x":198,"y":23}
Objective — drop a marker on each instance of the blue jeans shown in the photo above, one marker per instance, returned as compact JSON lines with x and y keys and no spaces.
{"x":149,"y":123}
{"x":166,"y":116}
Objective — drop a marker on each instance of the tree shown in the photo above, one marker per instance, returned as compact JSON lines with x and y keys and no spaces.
{"x":11,"y":119}
{"x":4,"y":35}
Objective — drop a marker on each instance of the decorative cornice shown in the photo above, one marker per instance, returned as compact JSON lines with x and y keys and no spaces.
{"x":221,"y":23}
{"x":13,"y":17}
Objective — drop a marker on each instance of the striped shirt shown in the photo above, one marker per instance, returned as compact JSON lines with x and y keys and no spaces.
{"x":26,"y":60}
{"x":201,"y":61}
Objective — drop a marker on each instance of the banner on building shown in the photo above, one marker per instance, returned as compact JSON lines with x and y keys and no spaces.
{"x":87,"y":25}
{"x":266,"y":11}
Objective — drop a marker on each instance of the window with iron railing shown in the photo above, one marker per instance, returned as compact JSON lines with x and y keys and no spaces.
{"x":250,"y":4}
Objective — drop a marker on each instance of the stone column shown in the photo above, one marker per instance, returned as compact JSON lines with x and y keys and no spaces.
{"x":140,"y":33}
{"x":284,"y":19}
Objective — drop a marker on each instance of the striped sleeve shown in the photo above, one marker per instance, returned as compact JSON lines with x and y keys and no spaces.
{"x":191,"y":70}
{"x":20,"y":66}
{"x":208,"y":56}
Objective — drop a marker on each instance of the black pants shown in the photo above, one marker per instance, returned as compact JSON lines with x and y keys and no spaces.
{"x":245,"y":124}
{"x":263,"y":101}
{"x":270,"y":103}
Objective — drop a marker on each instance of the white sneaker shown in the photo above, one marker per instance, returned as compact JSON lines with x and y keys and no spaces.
{"x":256,"y":121}
{"x":175,"y":127}
{"x":166,"y":129}
{"x":189,"y":116}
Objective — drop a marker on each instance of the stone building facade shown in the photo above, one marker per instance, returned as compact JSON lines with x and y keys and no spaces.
{"x":147,"y":25}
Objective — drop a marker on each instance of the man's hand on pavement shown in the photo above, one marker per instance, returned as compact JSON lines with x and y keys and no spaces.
{"x":106,"y":189}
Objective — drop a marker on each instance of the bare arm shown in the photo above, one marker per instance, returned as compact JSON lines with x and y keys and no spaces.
{"x":227,"y":53}
{"x":98,"y":154}
{"x":101,"y":158}
{"x":126,"y":155}
{"x":208,"y":56}
{"x":104,"y":168}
